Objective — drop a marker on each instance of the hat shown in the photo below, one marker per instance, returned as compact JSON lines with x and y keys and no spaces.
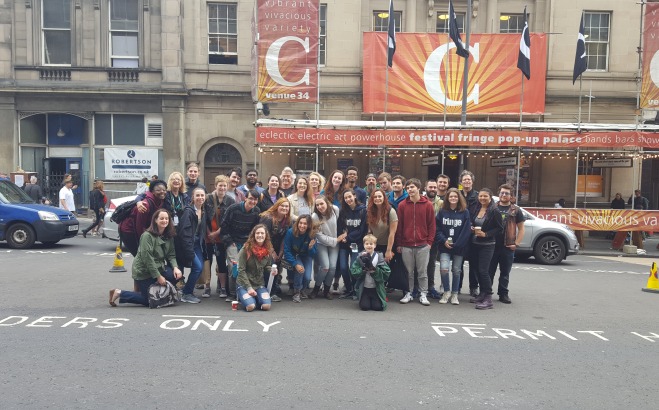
{"x":371,"y":175}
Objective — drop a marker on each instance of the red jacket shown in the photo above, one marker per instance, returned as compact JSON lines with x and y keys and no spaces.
{"x":416,"y":223}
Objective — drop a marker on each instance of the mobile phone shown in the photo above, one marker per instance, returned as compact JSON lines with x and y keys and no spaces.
{"x":354,"y":247}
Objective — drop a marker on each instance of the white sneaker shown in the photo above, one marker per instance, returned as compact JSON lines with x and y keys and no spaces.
{"x":423,"y":299}
{"x":407,"y":298}
{"x":454,"y":299}
{"x":445,"y":297}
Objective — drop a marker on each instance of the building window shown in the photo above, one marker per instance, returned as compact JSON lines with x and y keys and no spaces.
{"x":119,"y":129}
{"x":222,"y":33}
{"x":56,"y":32}
{"x":124,"y":28}
{"x":381,"y":20}
{"x":511,"y":23}
{"x":322,"y":40}
{"x":441,"y":25}
{"x":305,"y":160}
{"x":597,"y":27}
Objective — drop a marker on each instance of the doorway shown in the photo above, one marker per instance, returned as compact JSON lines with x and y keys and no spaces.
{"x":219,"y":160}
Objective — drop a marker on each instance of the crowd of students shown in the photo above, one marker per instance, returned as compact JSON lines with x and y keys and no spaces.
{"x":386,"y":237}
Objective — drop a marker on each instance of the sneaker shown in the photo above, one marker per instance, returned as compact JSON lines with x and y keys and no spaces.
{"x":335,"y":288}
{"x":188,"y":298}
{"x":230,"y":298}
{"x":445,"y":298}
{"x":505,"y":299}
{"x":454,"y":299}
{"x":415,"y":293}
{"x":423,"y":299}
{"x":347,"y":295}
{"x":275,"y":298}
{"x":199,"y":287}
{"x":407,"y":298}
{"x":434,"y":294}
{"x":303,"y":294}
{"x":222,"y":292}
{"x":296,"y":298}
{"x":207,"y":293}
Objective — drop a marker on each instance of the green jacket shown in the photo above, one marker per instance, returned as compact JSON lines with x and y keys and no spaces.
{"x":380,"y":275}
{"x":250,"y":271}
{"x":152,"y":256}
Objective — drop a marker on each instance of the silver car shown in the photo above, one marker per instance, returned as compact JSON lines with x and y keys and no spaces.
{"x":111,"y":229}
{"x":548,"y":241}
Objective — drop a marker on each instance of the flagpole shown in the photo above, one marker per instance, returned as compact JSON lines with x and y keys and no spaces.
{"x":447,"y":66}
{"x":521,"y":104}
{"x":465,"y":86}
{"x":386,"y":94}
{"x":580,"y":93}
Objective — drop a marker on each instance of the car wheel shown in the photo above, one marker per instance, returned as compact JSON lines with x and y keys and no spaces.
{"x":20,"y":236}
{"x":49,"y":243}
{"x":549,"y":250}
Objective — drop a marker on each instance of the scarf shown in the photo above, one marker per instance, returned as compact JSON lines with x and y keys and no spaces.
{"x":260,"y":252}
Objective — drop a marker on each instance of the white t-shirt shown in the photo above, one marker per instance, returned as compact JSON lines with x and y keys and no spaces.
{"x":67,"y":195}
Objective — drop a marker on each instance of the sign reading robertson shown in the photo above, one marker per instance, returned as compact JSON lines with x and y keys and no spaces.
{"x":124,"y":163}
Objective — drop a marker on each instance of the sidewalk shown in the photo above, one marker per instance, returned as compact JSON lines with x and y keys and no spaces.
{"x":597,"y":245}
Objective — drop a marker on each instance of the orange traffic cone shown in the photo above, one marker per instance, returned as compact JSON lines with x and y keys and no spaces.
{"x":118,"y":265}
{"x":653,"y":281}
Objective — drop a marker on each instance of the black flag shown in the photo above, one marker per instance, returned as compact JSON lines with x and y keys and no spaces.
{"x":524,"y":58}
{"x":454,"y":32}
{"x":391,"y":34}
{"x":580,"y":61}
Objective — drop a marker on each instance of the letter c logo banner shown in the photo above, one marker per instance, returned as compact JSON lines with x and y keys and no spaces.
{"x":272,"y":61}
{"x":431,"y":75}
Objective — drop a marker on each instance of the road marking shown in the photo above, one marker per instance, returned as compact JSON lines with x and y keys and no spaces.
{"x":458,"y":324}
{"x":201,"y":317}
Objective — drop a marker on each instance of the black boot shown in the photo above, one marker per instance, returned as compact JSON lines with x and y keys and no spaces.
{"x":314,"y":292}
{"x":84,"y":233}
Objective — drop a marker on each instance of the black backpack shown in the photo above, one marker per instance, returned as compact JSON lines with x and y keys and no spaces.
{"x":123,"y":211}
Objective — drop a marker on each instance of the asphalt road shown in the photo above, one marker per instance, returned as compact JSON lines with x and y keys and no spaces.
{"x":579,"y":335}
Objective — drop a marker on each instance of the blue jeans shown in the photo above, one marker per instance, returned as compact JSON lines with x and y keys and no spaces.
{"x":503,"y":257}
{"x":326,"y":258}
{"x":142,"y":298}
{"x":346,"y":258}
{"x":197,"y":266}
{"x":262,"y":297}
{"x":301,"y":280}
{"x":454,"y":262}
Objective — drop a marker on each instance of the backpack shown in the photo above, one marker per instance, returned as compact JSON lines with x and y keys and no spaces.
{"x":162,"y":296}
{"x":123,"y":211}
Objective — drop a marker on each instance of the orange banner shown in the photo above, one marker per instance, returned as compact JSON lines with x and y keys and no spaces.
{"x":600,"y":219}
{"x":417,"y":79}
{"x":287,"y":51}
{"x":650,"y":77}
{"x":463,"y":138}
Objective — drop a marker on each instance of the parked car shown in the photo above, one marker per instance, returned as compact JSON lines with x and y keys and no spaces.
{"x":23,"y":222}
{"x":111,"y":229}
{"x":548,"y":242}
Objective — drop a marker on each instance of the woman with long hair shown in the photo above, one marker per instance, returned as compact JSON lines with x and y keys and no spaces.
{"x":302,"y":199}
{"x":299,"y":249}
{"x":277,"y":220}
{"x":486,"y":224}
{"x":316,"y":183}
{"x":335,"y":187}
{"x":271,"y":194}
{"x":155,"y":261}
{"x":325,"y":215}
{"x":254,"y":258}
{"x":190,"y":242}
{"x":452,"y":239}
{"x":352,"y":222}
{"x":97,"y":200}
{"x":382,"y":222}
{"x":216,"y":204}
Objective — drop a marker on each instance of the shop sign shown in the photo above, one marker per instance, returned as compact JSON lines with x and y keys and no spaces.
{"x":430,"y":161}
{"x":600,"y":219}
{"x":503,"y":162}
{"x":123,"y":163}
{"x":612,"y":163}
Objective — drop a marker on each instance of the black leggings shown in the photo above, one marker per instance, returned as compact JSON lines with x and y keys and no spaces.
{"x":98,"y":220}
{"x":370,"y":300}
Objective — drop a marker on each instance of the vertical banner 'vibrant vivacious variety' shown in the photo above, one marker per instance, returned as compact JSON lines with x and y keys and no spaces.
{"x":287,"y":51}
{"x":417,"y":80}
{"x":650,"y":84}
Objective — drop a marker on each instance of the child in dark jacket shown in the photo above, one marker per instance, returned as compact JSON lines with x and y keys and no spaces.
{"x":370,"y":272}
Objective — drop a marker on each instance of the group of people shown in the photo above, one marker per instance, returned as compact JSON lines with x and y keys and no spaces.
{"x":389,"y":235}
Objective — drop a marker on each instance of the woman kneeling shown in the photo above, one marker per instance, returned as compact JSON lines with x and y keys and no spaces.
{"x":253,"y":259}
